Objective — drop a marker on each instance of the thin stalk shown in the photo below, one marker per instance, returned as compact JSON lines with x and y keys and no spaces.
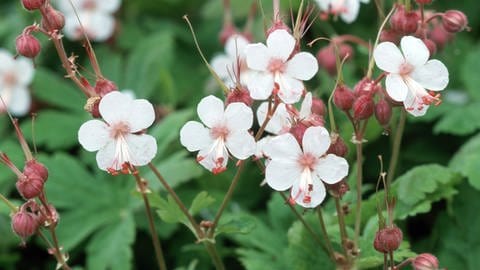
{"x":358,"y":209}
{"x":404,"y":263}
{"x":385,"y":261}
{"x":341,"y":224}
{"x":276,"y":10}
{"x":212,"y":251}
{"x":58,"y":256}
{"x":151,"y":225}
{"x":325,"y":234}
{"x":8,"y":203}
{"x":392,"y":262}
{"x":397,"y":141}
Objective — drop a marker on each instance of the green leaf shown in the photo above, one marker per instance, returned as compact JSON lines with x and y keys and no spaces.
{"x":201,"y":201}
{"x":232,"y":224}
{"x":168,"y":130}
{"x":463,"y":120}
{"x":469,"y":73}
{"x":110,"y":248}
{"x":467,"y":161}
{"x":12,"y":148}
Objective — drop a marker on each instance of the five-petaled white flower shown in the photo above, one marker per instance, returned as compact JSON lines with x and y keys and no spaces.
{"x":346,"y":9}
{"x":96,"y":17}
{"x":226,"y":131}
{"x":15,"y":76}
{"x":303,"y":170}
{"x":120,"y":141}
{"x":276,"y":70}
{"x":411,"y":73}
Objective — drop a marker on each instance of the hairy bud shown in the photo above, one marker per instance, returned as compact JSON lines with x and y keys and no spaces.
{"x":318,"y":107}
{"x":338,"y":147}
{"x":425,"y":261}
{"x":390,"y":35}
{"x":404,"y":22}
{"x":25,"y":224}
{"x":440,"y":36}
{"x":298,"y":130}
{"x":239,"y":95}
{"x":278,"y":25}
{"x":33,"y":4}
{"x":343,"y":97}
{"x":431,"y":46}
{"x":383,"y":112}
{"x":388,"y":239}
{"x":327,"y":59}
{"x":366,"y":86}
{"x":454,"y":21}
{"x":27,"y":45}
{"x":104,"y":86}
{"x":363,"y":107}
{"x":30,"y":186}
{"x":33,"y":167}
{"x":53,"y":20}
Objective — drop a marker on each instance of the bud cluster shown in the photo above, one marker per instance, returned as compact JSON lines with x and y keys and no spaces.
{"x":30,"y":217}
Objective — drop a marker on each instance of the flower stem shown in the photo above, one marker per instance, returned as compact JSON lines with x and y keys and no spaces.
{"x":8,"y":203}
{"x":325,"y":234}
{"x":397,"y":141}
{"x":212,"y":251}
{"x":58,"y":256}
{"x":358,"y":209}
{"x":341,"y":224}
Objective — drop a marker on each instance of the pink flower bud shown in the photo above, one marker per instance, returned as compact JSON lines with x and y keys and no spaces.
{"x":227,"y":31}
{"x":366,"y":86}
{"x":298,"y":130}
{"x":27,"y":45}
{"x":239,"y":95}
{"x":33,"y":167}
{"x":278,"y":25}
{"x":338,"y":148}
{"x":326,"y":56}
{"x":48,"y":216}
{"x":363,"y":107}
{"x":454,"y":21}
{"x":343,"y":97}
{"x":383,"y":112}
{"x":425,"y":261}
{"x":53,"y":20}
{"x":104,"y":86}
{"x":423,"y":2}
{"x":318,"y":107}
{"x":440,"y":36}
{"x":390,"y":35}
{"x":388,"y":239}
{"x":30,"y":186}
{"x":432,"y":47}
{"x":33,"y":4}
{"x":338,"y":189}
{"x":24,"y":224}
{"x":404,"y":22}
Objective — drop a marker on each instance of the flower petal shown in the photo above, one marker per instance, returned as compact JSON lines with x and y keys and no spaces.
{"x":280,"y":44}
{"x":350,"y":13}
{"x":93,"y":135}
{"x":414,"y":105}
{"x":331,"y":169}
{"x":290,"y":89}
{"x":223,"y":66}
{"x":257,"y":56}
{"x":432,"y":76}
{"x":280,"y":121}
{"x":238,"y":116}
{"x":260,"y":85}
{"x":142,"y":148}
{"x":414,"y":50}
{"x":106,"y":157}
{"x":208,"y":158}
{"x":24,"y":71}
{"x":114,"y":107}
{"x":306,"y":107}
{"x":317,"y":195}
{"x":20,"y":101}
{"x":303,"y":66}
{"x":396,"y":87}
{"x":210,"y":110}
{"x":108,"y":6}
{"x":316,"y":141}
{"x":388,"y":57}
{"x":281,"y":174}
{"x":141,"y":115}
{"x":235,"y":47}
{"x":241,"y":144}
{"x":283,"y":147}
{"x":194,"y":136}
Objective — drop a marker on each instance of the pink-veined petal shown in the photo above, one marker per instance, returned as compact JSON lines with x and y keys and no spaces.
{"x":290,"y":89}
{"x":396,"y":87}
{"x":241,"y":144}
{"x":194,"y":136}
{"x":141,"y":115}
{"x":20,"y":101}
{"x":257,"y":56}
{"x":106,"y":157}
{"x":316,"y":141}
{"x":238,"y":116}
{"x":142,"y":148}
{"x":350,"y":13}
{"x":303,"y":66}
{"x":283,"y":147}
{"x":306,"y":107}
{"x":317,"y":195}
{"x":260,"y":85}
{"x":280,"y":121}
{"x":210,"y":110}
{"x":115,"y":106}
{"x":280,"y":44}
{"x":331,"y":169}
{"x":281,"y":174}
{"x":93,"y":135}
{"x":413,"y":105}
{"x":388,"y":57}
{"x":432,"y":76}
{"x":208,"y":158}
{"x":415,"y":51}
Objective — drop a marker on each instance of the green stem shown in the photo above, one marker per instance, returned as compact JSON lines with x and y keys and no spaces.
{"x":397,"y":141}
{"x":358,"y":209}
{"x":341,"y":225}
{"x":212,"y":251}
{"x":153,"y":233}
{"x":8,"y":203}
{"x":325,"y":234}
{"x":58,"y":256}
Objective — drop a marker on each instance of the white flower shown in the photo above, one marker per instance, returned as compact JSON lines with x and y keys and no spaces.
{"x":346,"y":9}
{"x":229,"y":65}
{"x":411,"y":73}
{"x":275,"y":69}
{"x":96,"y":17}
{"x":15,"y":76}
{"x":303,"y":170}
{"x":226,"y":131}
{"x":119,"y":140}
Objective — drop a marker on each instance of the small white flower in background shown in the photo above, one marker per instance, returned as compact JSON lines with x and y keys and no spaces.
{"x":411,"y":74}
{"x":346,"y":9}
{"x":119,"y":139}
{"x":15,"y":76}
{"x":275,"y":68}
{"x":96,"y":17}
{"x":228,"y":65}
{"x":303,"y":170}
{"x":226,"y":132}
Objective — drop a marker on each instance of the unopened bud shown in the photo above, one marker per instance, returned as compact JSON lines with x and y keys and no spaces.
{"x":104,"y":86}
{"x":33,"y":4}
{"x":431,"y":46}
{"x":366,"y":86}
{"x":389,"y":35}
{"x":440,"y":36}
{"x":338,"y":189}
{"x":298,"y":130}
{"x":363,"y":107}
{"x":227,"y":31}
{"x":53,"y":20}
{"x":318,"y":107}
{"x":404,"y":22}
{"x":454,"y":21}
{"x":425,"y":261}
{"x":239,"y":95}
{"x":383,"y":112}
{"x":338,"y":147}
{"x":327,"y":59}
{"x":278,"y":25}
{"x":27,"y":45}
{"x":48,"y":216}
{"x":24,"y":224}
{"x":30,"y":186}
{"x":343,"y":97}
{"x":388,"y":239}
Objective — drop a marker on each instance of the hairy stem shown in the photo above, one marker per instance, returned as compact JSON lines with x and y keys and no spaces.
{"x":212,"y":251}
{"x":341,"y":224}
{"x":397,"y":142}
{"x":8,"y":203}
{"x":325,"y":234}
{"x":358,"y":208}
{"x":58,"y":256}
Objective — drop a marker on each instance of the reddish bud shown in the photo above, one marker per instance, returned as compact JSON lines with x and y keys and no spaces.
{"x":53,"y":20}
{"x":318,"y":107}
{"x":104,"y":86}
{"x":278,"y":25}
{"x":338,"y":189}
{"x":366,"y":86}
{"x":27,"y":45}
{"x":363,"y":107}
{"x":33,"y":4}
{"x":423,"y":2}
{"x":454,"y":21}
{"x":343,"y":97}
{"x":388,"y":239}
{"x":48,"y":216}
{"x":425,"y":261}
{"x":383,"y":112}
{"x":404,"y":22}
{"x":227,"y":31}
{"x":440,"y":36}
{"x":297,"y":130}
{"x":338,"y":147}
{"x":30,"y":186}
{"x":239,"y":95}
{"x":432,"y":47}
{"x":33,"y":167}
{"x":326,"y":56}
{"x":390,"y":35}
{"x":24,"y":224}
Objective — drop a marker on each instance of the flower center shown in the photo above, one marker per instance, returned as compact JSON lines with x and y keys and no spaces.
{"x":119,"y":129}
{"x":307,"y":161}
{"x":89,"y":5}
{"x":10,"y":79}
{"x":276,"y":65}
{"x":219,"y":132}
{"x":405,"y":69}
